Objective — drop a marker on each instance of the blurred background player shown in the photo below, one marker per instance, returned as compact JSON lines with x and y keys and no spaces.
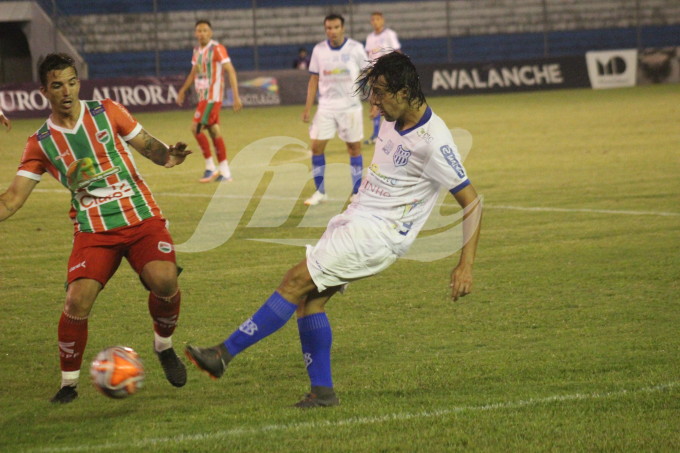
{"x":209,"y":61}
{"x":334,"y":66}
{"x":84,"y":145}
{"x":372,"y":233}
{"x":5,"y":121}
{"x":380,"y":41}
{"x":302,"y":60}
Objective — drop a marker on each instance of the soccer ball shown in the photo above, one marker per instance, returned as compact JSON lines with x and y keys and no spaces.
{"x":117,"y":372}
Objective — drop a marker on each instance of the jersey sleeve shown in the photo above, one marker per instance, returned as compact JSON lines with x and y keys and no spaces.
{"x":445,"y":165}
{"x":33,"y":160}
{"x":221,"y":54}
{"x":314,"y":62}
{"x":396,"y":45}
{"x":123,"y":122}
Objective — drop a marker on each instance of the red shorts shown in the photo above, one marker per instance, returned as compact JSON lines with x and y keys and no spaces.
{"x":98,"y":255}
{"x":207,"y":113}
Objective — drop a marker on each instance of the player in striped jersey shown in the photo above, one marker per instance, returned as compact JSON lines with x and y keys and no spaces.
{"x":84,"y":145}
{"x":209,"y":61}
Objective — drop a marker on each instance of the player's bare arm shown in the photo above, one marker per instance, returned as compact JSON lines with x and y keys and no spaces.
{"x":233,"y":82}
{"x":156,"y":151}
{"x":461,"y":276}
{"x":312,"y":88}
{"x":5,"y":121}
{"x":15,"y":196}
{"x":187,"y":83}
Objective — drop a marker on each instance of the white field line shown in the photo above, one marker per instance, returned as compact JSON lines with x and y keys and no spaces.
{"x":353,"y":421}
{"x":486,"y":205}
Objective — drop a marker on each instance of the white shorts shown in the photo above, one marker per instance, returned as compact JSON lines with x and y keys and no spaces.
{"x":353,"y":247}
{"x":349,"y":124}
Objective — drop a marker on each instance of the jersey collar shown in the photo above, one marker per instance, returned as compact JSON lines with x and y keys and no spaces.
{"x":424,"y":119}
{"x":336,"y":48}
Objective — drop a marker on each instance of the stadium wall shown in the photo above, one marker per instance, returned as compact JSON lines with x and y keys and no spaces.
{"x":129,"y":37}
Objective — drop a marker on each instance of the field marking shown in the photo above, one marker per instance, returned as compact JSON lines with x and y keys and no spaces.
{"x":486,"y":205}
{"x":354,"y":421}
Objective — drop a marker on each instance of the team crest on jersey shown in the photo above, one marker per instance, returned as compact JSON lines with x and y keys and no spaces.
{"x":103,"y":136}
{"x":389,"y":146}
{"x":401,"y":156}
{"x":97,"y":110}
{"x":450,"y":157}
{"x":43,"y":135}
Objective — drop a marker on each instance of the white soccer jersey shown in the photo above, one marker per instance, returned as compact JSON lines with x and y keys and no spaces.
{"x":407,"y":172}
{"x":338,"y":68}
{"x":382,"y":43}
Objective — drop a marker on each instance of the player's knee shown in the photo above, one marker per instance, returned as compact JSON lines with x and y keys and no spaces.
{"x":296,"y":284}
{"x":160,"y":278}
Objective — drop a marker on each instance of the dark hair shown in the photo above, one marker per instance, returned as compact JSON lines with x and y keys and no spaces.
{"x":334,"y":16}
{"x":54,"y":62}
{"x":203,"y":21}
{"x":399,"y":73}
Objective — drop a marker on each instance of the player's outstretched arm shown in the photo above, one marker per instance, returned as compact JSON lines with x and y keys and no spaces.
{"x":461,"y":276}
{"x":158,"y":152}
{"x":15,"y":196}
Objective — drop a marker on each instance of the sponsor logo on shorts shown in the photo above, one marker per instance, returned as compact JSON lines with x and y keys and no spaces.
{"x":103,"y":136}
{"x":450,"y":157}
{"x":96,"y":197}
{"x":165,"y":247}
{"x":401,"y":156}
{"x":82,"y":264}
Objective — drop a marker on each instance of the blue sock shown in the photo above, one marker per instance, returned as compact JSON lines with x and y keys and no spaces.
{"x":268,"y":319}
{"x":376,"y":126}
{"x":316,"y":338}
{"x":318,"y":168}
{"x":357,"y":164}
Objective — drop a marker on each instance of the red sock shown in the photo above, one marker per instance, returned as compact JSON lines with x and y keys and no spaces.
{"x":220,"y":149}
{"x":204,"y":144}
{"x":164,"y":312}
{"x":72,"y":335}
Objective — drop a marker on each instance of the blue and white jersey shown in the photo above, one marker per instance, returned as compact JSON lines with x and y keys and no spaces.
{"x":408,"y":170}
{"x":338,"y":69}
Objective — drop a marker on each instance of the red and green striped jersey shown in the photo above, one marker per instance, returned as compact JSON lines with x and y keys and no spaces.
{"x":208,"y":61}
{"x":95,"y":163}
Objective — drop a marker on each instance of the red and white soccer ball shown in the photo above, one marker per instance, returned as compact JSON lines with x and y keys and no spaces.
{"x":117,"y":372}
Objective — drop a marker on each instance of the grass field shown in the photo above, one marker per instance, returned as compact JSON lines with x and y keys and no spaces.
{"x":569,"y":342}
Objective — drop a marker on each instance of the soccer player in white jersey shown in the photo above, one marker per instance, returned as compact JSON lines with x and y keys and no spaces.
{"x":334,"y":66}
{"x":415,"y":157}
{"x":380,"y":41}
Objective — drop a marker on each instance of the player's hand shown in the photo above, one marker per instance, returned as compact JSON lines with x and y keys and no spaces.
{"x":305,"y":116}
{"x":180,"y":98}
{"x":461,"y":282}
{"x":176,"y":154}
{"x":238,"y":105}
{"x":6,"y":122}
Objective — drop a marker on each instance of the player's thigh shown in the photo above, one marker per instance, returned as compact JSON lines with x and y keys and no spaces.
{"x":152,"y":242}
{"x":323,"y":125}
{"x":351,"y":125}
{"x":94,"y":256}
{"x":349,"y":250}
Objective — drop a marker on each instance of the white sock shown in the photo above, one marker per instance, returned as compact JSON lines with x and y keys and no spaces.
{"x":209,"y":164}
{"x":70,"y":378}
{"x":160,"y":344}
{"x":224,"y":169}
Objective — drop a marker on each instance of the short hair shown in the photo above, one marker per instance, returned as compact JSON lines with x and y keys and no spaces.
{"x":399,"y":73}
{"x":54,"y":62}
{"x":334,"y":16}
{"x":203,"y":21}
{"x":377,"y":13}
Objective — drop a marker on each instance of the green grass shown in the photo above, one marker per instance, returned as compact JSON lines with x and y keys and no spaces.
{"x":569,"y":342}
